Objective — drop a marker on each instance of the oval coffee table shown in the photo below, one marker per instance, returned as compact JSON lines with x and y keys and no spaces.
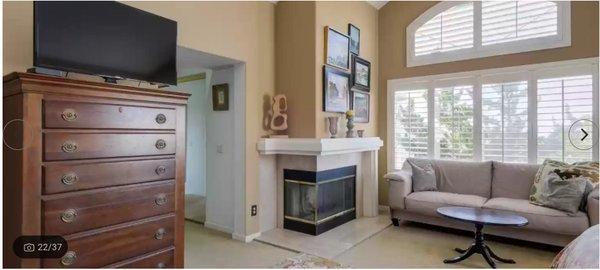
{"x":481,"y":217}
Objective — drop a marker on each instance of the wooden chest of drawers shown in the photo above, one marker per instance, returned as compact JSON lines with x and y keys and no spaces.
{"x":101,"y":165}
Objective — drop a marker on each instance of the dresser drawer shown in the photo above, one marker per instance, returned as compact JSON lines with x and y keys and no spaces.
{"x":117,"y":243}
{"x":159,"y":259}
{"x":73,"y":212}
{"x":62,"y":177}
{"x":65,"y":146}
{"x":68,"y":114}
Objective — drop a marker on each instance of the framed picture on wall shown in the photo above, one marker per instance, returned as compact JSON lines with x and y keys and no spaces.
{"x":336,"y":90}
{"x":354,"y":34}
{"x":361,"y":74}
{"x":361,"y":106}
{"x":337,"y":46}
{"x":220,"y":97}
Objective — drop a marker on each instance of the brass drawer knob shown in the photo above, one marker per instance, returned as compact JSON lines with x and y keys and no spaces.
{"x":160,"y":169}
{"x":159,"y":234}
{"x":160,"y":144}
{"x":68,"y":215}
{"x":161,"y":199}
{"x":69,"y":147}
{"x":69,"y":115}
{"x":160,"y":265}
{"x":161,"y":118}
{"x":69,"y":179}
{"x":69,"y":258}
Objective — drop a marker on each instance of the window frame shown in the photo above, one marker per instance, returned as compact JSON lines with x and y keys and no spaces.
{"x":561,"y":39}
{"x":530,"y":73}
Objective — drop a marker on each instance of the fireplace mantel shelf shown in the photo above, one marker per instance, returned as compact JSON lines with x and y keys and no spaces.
{"x":317,"y":147}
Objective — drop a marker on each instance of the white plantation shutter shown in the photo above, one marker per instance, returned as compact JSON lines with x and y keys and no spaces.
{"x":410,"y":125}
{"x":505,"y":21}
{"x":454,"y":122}
{"x":504,"y":122}
{"x":560,"y":102}
{"x":448,"y":31}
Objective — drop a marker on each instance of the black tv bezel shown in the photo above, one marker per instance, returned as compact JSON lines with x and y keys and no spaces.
{"x":88,"y":72}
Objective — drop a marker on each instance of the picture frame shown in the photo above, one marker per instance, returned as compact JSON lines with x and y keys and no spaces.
{"x":361,"y":74}
{"x":361,"y":105}
{"x":220,"y":97}
{"x":337,"y":49}
{"x":354,"y":34}
{"x":336,"y":90}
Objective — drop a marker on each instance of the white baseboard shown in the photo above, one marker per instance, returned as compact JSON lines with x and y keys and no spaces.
{"x":217,"y":227}
{"x":245,"y":238}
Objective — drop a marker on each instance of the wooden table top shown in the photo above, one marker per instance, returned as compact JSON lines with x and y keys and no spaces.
{"x":482,"y":216}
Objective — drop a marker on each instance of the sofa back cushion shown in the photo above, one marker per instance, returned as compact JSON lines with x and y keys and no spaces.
{"x":462,"y":177}
{"x":513,"y":180}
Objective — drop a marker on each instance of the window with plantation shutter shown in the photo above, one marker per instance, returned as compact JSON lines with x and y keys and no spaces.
{"x":505,"y":21}
{"x":452,"y":30}
{"x":504,"y":127}
{"x":454,"y":122}
{"x":411,"y":125}
{"x":448,"y":31}
{"x":560,"y":102}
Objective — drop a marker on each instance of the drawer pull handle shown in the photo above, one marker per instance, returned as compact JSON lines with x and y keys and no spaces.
{"x":69,"y":258}
{"x":69,"y":147}
{"x":160,"y":265}
{"x":161,"y":118}
{"x":69,"y":179}
{"x":160,"y":233}
{"x":160,"y":169}
{"x":69,"y":115}
{"x":160,"y":144}
{"x":161,"y":199}
{"x":68,"y":215}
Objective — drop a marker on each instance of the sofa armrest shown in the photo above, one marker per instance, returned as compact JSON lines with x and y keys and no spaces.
{"x":592,"y":206}
{"x":400,"y":185}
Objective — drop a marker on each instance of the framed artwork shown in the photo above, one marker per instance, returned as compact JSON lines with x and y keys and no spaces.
{"x":361,"y":106}
{"x":361,"y":74}
{"x":354,"y":34}
{"x":220,"y":97}
{"x":337,"y":46}
{"x":336,"y":90}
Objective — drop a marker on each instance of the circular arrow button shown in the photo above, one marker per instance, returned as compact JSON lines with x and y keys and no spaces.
{"x":581,"y":134}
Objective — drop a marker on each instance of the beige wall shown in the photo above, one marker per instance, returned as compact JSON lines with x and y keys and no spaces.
{"x":396,"y":16}
{"x":295,"y":76}
{"x":337,"y":15}
{"x":241,"y":30}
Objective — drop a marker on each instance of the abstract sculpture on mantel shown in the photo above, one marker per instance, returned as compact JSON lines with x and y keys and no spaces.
{"x":279,"y":116}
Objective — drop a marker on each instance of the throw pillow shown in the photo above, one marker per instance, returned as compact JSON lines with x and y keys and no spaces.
{"x":561,"y":194}
{"x":564,"y":171}
{"x":423,"y":178}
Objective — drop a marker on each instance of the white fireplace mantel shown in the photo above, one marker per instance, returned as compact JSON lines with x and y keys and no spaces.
{"x":317,"y":147}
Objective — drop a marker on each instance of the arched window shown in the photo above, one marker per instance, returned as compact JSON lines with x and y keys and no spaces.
{"x":451,"y":31}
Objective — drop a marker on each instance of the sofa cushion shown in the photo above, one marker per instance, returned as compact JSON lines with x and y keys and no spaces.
{"x":541,"y":218}
{"x":427,"y":202}
{"x":512,"y":180}
{"x":565,"y":171}
{"x":462,"y":177}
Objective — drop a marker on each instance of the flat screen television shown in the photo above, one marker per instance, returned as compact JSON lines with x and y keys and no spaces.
{"x":105,"y":38}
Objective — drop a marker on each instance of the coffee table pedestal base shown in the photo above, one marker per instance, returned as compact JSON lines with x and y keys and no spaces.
{"x":479,"y":247}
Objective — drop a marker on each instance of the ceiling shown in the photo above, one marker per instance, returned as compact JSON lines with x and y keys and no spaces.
{"x":377,"y":4}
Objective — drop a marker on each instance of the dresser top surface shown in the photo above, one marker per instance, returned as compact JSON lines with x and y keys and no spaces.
{"x":76,"y":84}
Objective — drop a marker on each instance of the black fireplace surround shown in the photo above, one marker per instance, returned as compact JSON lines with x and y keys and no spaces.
{"x":315,"y":202}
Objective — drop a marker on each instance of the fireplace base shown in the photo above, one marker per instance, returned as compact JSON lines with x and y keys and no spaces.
{"x":320,"y":228}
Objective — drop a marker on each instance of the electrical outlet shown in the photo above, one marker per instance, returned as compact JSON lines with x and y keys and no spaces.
{"x":253,"y":210}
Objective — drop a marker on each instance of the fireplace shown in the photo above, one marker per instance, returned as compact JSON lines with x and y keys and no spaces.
{"x":315,"y":202}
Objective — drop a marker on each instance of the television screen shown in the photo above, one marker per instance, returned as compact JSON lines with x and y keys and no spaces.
{"x":105,"y":38}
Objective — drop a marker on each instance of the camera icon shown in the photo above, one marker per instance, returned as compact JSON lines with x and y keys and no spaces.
{"x":29,"y":247}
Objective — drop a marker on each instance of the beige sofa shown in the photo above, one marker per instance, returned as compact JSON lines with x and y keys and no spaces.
{"x":493,"y":185}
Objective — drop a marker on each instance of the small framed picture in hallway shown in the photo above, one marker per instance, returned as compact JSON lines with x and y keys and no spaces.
{"x":220,"y":97}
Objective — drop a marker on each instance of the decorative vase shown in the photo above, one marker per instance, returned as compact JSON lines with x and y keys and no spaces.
{"x":333,"y":125}
{"x":350,"y":124}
